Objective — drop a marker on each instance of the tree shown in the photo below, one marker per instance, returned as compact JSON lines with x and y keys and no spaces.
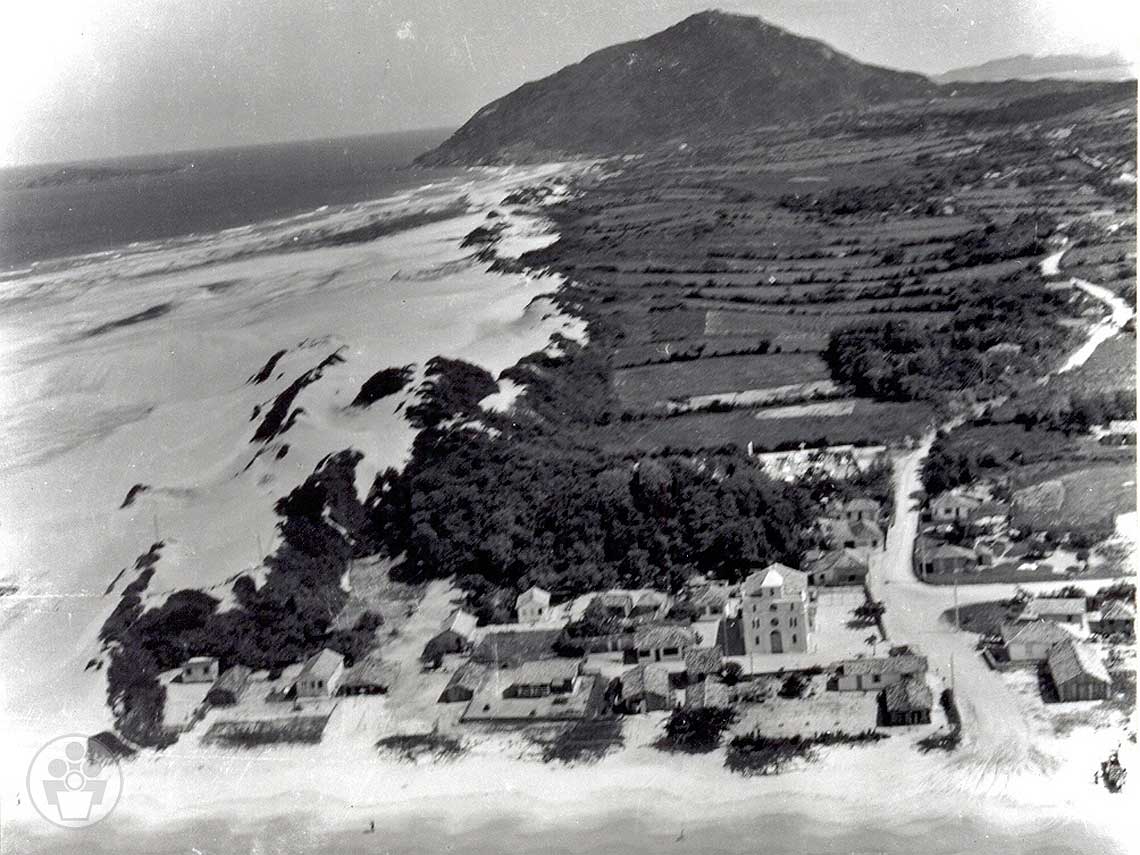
{"x":731,"y":672}
{"x":871,"y":611}
{"x":699,"y":730}
{"x":872,"y":641}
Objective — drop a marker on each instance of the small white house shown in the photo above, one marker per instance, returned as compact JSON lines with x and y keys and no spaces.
{"x":200,"y":669}
{"x":533,"y":605}
{"x":321,"y":675}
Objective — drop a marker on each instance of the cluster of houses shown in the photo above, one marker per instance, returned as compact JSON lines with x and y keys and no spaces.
{"x":1053,"y":633}
{"x":323,"y":675}
{"x":965,"y":532}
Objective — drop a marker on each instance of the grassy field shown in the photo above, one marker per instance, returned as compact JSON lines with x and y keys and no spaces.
{"x":652,"y":383}
{"x":1090,"y":496}
{"x":871,"y":423}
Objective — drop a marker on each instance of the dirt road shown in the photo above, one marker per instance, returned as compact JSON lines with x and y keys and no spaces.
{"x":996,"y":733}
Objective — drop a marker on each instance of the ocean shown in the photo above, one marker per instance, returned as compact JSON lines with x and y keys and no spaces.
{"x":57,"y":210}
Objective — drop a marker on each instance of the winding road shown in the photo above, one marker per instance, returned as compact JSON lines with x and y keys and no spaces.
{"x":997,"y":742}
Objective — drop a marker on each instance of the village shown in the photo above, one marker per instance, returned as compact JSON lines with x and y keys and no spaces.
{"x":785,"y":654}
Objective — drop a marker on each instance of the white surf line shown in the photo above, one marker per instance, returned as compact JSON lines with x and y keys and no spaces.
{"x":1103,"y":330}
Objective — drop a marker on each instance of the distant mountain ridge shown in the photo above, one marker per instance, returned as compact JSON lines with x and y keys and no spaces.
{"x":1028,"y":67}
{"x":709,"y":73}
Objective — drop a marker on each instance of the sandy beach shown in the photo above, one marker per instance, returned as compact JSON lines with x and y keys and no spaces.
{"x":133,"y":367}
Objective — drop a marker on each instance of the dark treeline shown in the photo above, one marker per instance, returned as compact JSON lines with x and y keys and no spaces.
{"x":288,"y":617}
{"x":902,"y":361}
{"x":499,"y":501}
{"x":523,"y":505}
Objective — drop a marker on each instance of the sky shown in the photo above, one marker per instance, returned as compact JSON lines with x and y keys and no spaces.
{"x":85,"y":79}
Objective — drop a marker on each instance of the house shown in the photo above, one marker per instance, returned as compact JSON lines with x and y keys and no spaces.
{"x":320,"y":675}
{"x":1078,"y":674}
{"x":465,"y":682}
{"x":637,"y":604}
{"x":860,"y":509}
{"x":643,"y":689}
{"x":700,"y":662}
{"x":662,"y":642}
{"x":370,"y":676}
{"x":860,"y":534}
{"x":454,"y":636}
{"x":200,"y":669}
{"x":708,"y":633}
{"x":1032,"y":641}
{"x":908,"y":701}
{"x":989,"y":518}
{"x":837,"y":567}
{"x":952,"y":507}
{"x":935,"y":558}
{"x":874,"y":673}
{"x":777,"y":614}
{"x":533,"y":605}
{"x":709,"y":602}
{"x":537,"y":679}
{"x":1068,"y":610}
{"x":511,"y":649}
{"x":708,"y":693}
{"x":228,"y":688}
{"x":1116,"y":617}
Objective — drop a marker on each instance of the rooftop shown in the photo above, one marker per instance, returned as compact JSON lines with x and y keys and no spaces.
{"x":908,"y":663}
{"x":545,"y":672}
{"x":657,"y":636}
{"x":908,"y":695}
{"x":321,"y":666}
{"x":371,"y":671}
{"x":653,"y":679}
{"x":1056,"y":606}
{"x":1073,"y":659}
{"x":459,"y":622}
{"x":1034,"y":632}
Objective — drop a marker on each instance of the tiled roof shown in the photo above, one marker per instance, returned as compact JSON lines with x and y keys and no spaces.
{"x":908,"y":695}
{"x":1117,"y":610}
{"x":233,"y":679}
{"x":321,"y":665}
{"x":861,"y":503}
{"x":1074,"y":659}
{"x":542,"y":672}
{"x":948,"y":550}
{"x":470,"y":675}
{"x":1034,"y":632}
{"x":712,"y":595}
{"x":644,"y":679}
{"x":702,"y":660}
{"x":460,"y":622}
{"x":1056,"y":606}
{"x":657,"y":636}
{"x":955,"y":500}
{"x":371,"y":671}
{"x":905,"y":664}
{"x":838,"y":559}
{"x":776,"y":575}
{"x":708,"y":693}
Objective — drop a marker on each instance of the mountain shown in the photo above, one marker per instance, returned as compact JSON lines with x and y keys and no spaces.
{"x":710,"y":73}
{"x":1061,"y":66}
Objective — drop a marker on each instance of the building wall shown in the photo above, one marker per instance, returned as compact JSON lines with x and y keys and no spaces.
{"x":313,"y":688}
{"x":763,"y":616}
{"x":1082,"y":688}
{"x":1029,"y":651}
{"x":866,"y":682}
{"x":531,"y":613}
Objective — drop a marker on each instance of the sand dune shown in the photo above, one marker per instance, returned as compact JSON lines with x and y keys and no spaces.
{"x":101,"y":392}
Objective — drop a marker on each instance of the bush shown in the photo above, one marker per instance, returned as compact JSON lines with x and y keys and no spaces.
{"x":696,"y":731}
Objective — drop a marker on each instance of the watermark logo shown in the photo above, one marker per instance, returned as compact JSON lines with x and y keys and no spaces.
{"x":74,"y":781}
